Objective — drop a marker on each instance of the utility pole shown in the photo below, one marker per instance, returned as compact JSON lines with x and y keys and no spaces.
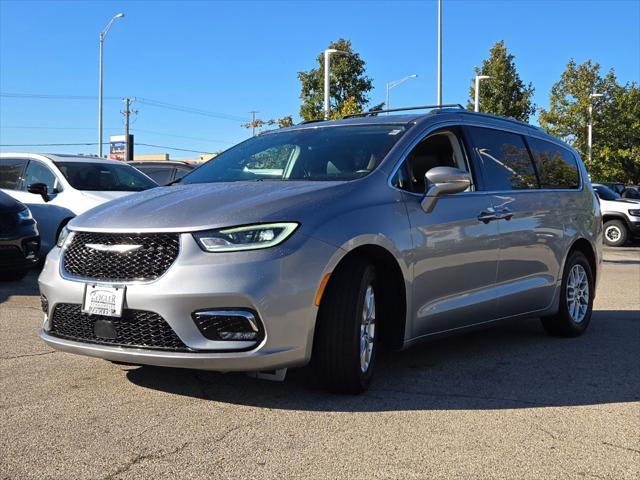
{"x":253,"y":122}
{"x":439,"y":52}
{"x":127,"y":113}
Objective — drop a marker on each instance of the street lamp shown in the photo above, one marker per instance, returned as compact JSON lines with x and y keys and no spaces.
{"x":477,"y":101}
{"x":590,"y":130}
{"x":103,"y":35}
{"x":393,"y":84}
{"x":327,"y":71}
{"x":439,"y":93}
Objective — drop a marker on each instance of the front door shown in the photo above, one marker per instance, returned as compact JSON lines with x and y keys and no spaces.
{"x":455,"y":254}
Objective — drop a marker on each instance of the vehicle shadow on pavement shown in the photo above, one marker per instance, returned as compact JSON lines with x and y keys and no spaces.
{"x":513,"y":365}
{"x":28,"y":286}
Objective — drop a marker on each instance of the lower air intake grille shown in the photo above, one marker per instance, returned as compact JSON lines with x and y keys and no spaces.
{"x":136,"y":328}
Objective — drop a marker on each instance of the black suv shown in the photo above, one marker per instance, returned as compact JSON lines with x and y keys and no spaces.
{"x":19,"y":239}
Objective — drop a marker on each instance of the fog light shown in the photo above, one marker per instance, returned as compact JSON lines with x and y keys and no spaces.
{"x":239,"y":325}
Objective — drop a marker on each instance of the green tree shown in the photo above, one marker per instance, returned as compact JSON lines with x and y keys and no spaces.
{"x":504,"y":93}
{"x":349,"y":86}
{"x":616,"y":120}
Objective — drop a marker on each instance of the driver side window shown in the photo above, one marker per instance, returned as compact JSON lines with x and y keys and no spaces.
{"x":38,"y":173}
{"x":439,"y":149}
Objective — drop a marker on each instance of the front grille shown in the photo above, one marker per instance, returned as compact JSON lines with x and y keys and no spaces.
{"x":156,"y":254}
{"x":136,"y":328}
{"x":8,"y":223}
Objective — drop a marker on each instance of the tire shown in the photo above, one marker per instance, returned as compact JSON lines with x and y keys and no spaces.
{"x":13,"y":275}
{"x":338,"y":354}
{"x":569,"y":321}
{"x":615,"y":233}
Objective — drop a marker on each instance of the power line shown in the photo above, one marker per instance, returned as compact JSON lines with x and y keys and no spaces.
{"x":172,"y":148}
{"x":146,"y":101}
{"x":53,"y":97}
{"x":96,"y":143}
{"x":144,"y":130}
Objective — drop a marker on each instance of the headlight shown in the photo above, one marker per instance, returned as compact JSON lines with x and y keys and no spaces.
{"x":24,"y":215}
{"x":62,"y":238}
{"x":251,"y":237}
{"x":635,"y":213}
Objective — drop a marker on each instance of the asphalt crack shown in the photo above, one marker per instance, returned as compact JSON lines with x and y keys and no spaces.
{"x":621,"y":447}
{"x":141,"y":457}
{"x":29,"y":355}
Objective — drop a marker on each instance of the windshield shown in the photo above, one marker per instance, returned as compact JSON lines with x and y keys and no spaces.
{"x":321,"y":153}
{"x":605,"y":193}
{"x":104,"y":177}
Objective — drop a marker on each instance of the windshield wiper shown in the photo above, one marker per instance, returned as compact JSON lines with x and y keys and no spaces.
{"x":177,"y":180}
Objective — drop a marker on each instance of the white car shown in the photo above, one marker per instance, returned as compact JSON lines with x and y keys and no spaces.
{"x":58,"y":187}
{"x":621,"y":216}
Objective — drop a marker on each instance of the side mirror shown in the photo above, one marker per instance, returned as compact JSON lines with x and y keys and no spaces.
{"x":39,"y":189}
{"x":441,"y":181}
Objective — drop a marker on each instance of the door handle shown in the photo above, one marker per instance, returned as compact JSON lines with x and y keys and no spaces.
{"x":487,"y":217}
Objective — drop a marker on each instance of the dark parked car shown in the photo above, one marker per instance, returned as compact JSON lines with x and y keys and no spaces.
{"x":632,"y":192}
{"x":615,"y":186}
{"x":164,"y":172}
{"x":19,"y":239}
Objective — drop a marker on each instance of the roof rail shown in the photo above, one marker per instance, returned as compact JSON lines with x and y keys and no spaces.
{"x":404,"y":109}
{"x":311,"y":121}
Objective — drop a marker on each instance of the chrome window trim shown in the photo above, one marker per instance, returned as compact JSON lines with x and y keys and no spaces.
{"x":463,"y":123}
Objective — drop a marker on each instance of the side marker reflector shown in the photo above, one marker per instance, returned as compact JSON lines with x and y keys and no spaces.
{"x":323,"y":285}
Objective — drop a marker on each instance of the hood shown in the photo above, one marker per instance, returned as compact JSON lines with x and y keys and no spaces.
{"x":100,"y":197}
{"x":9,"y":205}
{"x":213,"y":205}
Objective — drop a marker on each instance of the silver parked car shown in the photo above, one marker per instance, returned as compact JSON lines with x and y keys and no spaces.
{"x":319,"y":241}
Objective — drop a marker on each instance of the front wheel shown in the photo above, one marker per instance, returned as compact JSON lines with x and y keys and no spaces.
{"x":576,"y":299}
{"x":345,"y":342}
{"x":615,"y":233}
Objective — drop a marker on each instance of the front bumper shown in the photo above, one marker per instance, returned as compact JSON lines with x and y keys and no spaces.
{"x":20,"y":249}
{"x":279,"y":284}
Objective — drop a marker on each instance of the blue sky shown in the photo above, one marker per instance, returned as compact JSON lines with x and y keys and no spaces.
{"x":234,"y":57}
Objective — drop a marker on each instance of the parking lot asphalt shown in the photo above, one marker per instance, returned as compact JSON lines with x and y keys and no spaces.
{"x":507,"y":402}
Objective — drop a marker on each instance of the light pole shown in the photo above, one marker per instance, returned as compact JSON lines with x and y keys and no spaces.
{"x":393,"y":84}
{"x":477,"y":101}
{"x":439,"y":52}
{"x":327,"y":71}
{"x":103,"y":35}
{"x":590,"y":129}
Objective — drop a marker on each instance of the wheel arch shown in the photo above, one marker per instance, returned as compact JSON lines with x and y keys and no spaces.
{"x":584,"y":246}
{"x":393,"y":286}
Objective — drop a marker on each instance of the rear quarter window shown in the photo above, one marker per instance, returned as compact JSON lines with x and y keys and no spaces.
{"x":11,"y":172}
{"x":556,"y":165}
{"x":505,"y":159}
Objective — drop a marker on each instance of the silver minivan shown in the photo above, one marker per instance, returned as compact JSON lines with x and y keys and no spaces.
{"x":321,"y":242}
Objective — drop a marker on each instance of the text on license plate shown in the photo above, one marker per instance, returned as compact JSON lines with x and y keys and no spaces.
{"x":104,"y":300}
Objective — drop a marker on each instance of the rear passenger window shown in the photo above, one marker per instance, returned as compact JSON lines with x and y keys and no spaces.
{"x":11,"y":172}
{"x":505,"y":159}
{"x":556,"y":165}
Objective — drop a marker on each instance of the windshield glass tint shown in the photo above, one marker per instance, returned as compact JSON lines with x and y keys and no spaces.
{"x":606,"y":193}
{"x":321,"y":153}
{"x":104,"y":177}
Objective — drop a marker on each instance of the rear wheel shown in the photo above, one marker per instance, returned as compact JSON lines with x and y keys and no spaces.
{"x":576,"y":301}
{"x":345,"y":342}
{"x":615,"y":233}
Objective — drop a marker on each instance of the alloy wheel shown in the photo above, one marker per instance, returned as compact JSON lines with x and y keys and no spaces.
{"x":577,"y":293}
{"x":367,"y":329}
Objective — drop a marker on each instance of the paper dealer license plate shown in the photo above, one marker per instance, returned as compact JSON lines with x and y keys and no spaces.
{"x":104,"y":300}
